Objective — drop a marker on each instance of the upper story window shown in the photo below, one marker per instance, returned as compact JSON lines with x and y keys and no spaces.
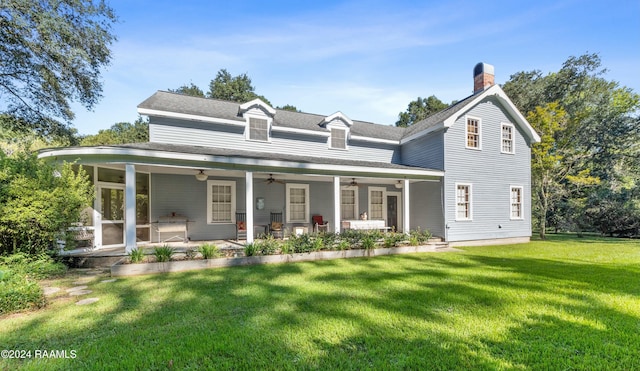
{"x":507,"y":143}
{"x":338,"y":138}
{"x":473,"y":133}
{"x":258,"y":129}
{"x":463,"y":201}
{"x":516,"y":202}
{"x":221,"y":201}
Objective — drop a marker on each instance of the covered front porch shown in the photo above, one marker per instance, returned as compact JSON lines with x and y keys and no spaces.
{"x":154,"y":195}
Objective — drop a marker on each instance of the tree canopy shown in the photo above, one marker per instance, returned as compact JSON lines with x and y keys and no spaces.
{"x":593,"y":156}
{"x":420,"y":109}
{"x":120,"y":133}
{"x":191,"y":89}
{"x":52,"y":53}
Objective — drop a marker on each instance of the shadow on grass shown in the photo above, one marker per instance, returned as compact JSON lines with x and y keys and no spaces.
{"x":422,"y":311}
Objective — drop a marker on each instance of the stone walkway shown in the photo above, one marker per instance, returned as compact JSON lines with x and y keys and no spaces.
{"x":80,"y":287}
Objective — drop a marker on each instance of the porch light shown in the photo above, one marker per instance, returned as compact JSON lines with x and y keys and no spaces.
{"x":398,"y":185}
{"x":201,"y":176}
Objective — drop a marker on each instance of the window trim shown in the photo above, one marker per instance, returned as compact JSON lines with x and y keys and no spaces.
{"x":470,"y":187}
{"x":290,"y":186}
{"x":247,"y":130}
{"x":521,"y":188}
{"x":231,"y":183}
{"x":466,"y":132}
{"x":513,"y":141}
{"x":356,"y":195}
{"x":346,"y":135}
{"x":384,"y":202}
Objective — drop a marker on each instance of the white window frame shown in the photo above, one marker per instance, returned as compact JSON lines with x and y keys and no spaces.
{"x":511,"y":204}
{"x":346,"y":134}
{"x":384,"y":202}
{"x":513,"y":141}
{"x":470,"y":190}
{"x":356,"y":207}
{"x":466,"y":132}
{"x":247,"y":130}
{"x":232,"y":217}
{"x":290,"y":186}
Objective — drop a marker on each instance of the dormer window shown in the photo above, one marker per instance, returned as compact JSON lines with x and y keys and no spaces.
{"x":258,"y":129}
{"x":338,"y":126}
{"x":338,"y":138}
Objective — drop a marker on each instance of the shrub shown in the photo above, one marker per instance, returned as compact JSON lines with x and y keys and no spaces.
{"x":287,"y":247}
{"x":251,"y":249}
{"x":393,"y":239}
{"x":163,"y":253}
{"x":343,"y":245}
{"x":368,"y":242}
{"x":37,"y":201}
{"x":209,"y":251}
{"x":18,"y":287}
{"x":268,"y":246}
{"x":418,"y":236}
{"x":136,"y":256}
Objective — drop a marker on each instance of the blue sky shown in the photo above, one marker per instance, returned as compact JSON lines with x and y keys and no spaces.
{"x":367,"y":59}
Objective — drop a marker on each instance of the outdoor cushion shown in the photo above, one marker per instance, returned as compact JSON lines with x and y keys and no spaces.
{"x":241,"y":225}
{"x":276,"y":226}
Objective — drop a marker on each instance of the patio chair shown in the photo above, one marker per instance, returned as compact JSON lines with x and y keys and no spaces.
{"x":319,"y":224}
{"x":241,"y":225}
{"x":276,"y":227}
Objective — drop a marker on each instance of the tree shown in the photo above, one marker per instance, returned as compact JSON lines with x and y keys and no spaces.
{"x":288,"y":107}
{"x":51,"y":53}
{"x":233,"y":88}
{"x":597,"y":146}
{"x":420,"y":109}
{"x":120,"y":133}
{"x":190,"y":89}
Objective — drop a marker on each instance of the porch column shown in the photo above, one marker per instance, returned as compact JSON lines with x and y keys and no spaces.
{"x":130,"y":208}
{"x":336,"y":204}
{"x":249,"y":205}
{"x":405,"y":207}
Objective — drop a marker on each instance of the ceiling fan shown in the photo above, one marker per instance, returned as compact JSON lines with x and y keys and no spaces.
{"x":271,"y":180}
{"x":353,"y":183}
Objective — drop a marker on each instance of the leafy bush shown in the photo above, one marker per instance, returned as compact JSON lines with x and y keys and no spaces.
{"x":163,"y":253}
{"x":368,"y":242}
{"x":136,"y":255}
{"x":286,"y":247}
{"x":37,"y":201}
{"x":343,"y":245}
{"x":209,"y":251}
{"x":419,"y":237}
{"x":393,"y":239}
{"x":18,"y":286}
{"x":268,"y":246}
{"x":251,"y":249}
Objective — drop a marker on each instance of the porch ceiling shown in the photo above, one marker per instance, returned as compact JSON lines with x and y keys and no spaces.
{"x":174,"y":157}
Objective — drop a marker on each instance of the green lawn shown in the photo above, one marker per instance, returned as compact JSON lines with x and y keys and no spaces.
{"x":560,"y":304}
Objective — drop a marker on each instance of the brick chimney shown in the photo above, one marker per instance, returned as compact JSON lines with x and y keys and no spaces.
{"x":483,"y":77}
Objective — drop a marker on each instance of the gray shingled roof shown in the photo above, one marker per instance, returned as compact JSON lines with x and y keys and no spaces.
{"x":174,"y":102}
{"x":438,"y":117}
{"x":214,"y":151}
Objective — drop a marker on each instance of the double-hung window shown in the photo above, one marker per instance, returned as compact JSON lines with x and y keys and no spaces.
{"x":507,"y":145}
{"x":463,"y":201}
{"x":473,"y":132}
{"x":377,"y":203}
{"x":516,"y":202}
{"x":349,"y":203}
{"x":297,"y":203}
{"x":258,"y":129}
{"x":338,"y":138}
{"x":221,"y":201}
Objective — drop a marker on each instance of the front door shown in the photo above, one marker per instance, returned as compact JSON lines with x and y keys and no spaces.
{"x":112,"y":210}
{"x":394,"y":211}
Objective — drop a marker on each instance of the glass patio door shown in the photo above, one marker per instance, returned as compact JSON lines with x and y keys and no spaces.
{"x":112,"y":208}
